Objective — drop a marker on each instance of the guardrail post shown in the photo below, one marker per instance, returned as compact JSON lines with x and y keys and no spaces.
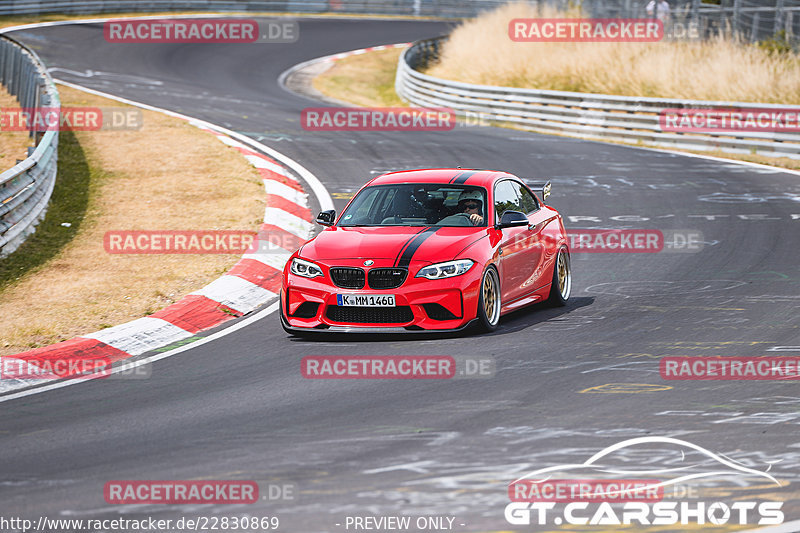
{"x":754,"y":28}
{"x":737,"y":17}
{"x":779,"y":11}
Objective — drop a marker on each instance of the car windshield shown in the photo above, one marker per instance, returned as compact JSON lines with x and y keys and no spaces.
{"x":417,"y":204}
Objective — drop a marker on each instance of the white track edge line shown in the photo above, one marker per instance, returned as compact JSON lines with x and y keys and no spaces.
{"x":323,"y":197}
{"x":147,"y":360}
{"x":317,"y":187}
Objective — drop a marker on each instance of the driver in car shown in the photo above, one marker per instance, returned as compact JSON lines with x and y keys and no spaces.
{"x":471,"y":202}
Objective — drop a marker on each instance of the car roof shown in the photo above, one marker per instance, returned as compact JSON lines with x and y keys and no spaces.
{"x":456,"y":176}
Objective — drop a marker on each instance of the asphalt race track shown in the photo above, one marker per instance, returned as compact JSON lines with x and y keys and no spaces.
{"x":238,"y":407}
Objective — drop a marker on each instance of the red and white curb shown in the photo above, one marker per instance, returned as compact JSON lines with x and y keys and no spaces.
{"x":336,"y":57}
{"x":253,"y":282}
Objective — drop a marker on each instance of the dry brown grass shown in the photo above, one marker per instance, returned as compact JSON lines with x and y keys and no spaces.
{"x":169,"y":175}
{"x":365,"y":79}
{"x":13,"y":144}
{"x":354,"y":79}
{"x":480,"y":51}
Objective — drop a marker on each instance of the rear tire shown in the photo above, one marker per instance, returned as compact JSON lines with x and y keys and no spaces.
{"x":489,"y":300}
{"x":561,"y":286}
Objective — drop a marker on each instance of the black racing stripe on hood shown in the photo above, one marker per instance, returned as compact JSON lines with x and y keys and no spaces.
{"x":405,"y":258}
{"x":406,"y":244}
{"x":463,"y":176}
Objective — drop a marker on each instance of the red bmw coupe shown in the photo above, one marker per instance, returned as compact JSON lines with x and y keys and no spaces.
{"x":428,"y":250}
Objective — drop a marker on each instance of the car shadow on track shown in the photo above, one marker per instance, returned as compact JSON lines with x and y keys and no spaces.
{"x":511,"y":323}
{"x":538,"y":314}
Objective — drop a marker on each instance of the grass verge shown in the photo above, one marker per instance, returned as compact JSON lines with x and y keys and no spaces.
{"x":13,"y":144}
{"x":365,"y":80}
{"x":169,"y":175}
{"x":480,"y":51}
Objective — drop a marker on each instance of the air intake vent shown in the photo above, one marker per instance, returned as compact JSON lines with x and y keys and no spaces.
{"x":307,"y":310}
{"x":438,"y":312}
{"x":370,"y":315}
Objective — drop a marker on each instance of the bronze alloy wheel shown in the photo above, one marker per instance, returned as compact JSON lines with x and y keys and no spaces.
{"x":564,"y":275}
{"x":490,"y":298}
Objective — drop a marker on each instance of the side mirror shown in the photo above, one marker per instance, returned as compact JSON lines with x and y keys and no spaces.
{"x":543,"y":188}
{"x":326,"y":218}
{"x":511,"y":219}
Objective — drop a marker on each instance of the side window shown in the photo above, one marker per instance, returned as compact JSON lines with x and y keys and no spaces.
{"x":527,"y":202}
{"x":505,"y":198}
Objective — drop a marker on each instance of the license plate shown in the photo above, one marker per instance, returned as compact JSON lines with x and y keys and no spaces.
{"x":365,"y":300}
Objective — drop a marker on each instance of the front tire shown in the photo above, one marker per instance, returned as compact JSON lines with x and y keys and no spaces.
{"x":561,"y":287}
{"x":489,"y":300}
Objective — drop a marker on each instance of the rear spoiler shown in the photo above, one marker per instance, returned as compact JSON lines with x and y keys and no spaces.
{"x":541,"y":187}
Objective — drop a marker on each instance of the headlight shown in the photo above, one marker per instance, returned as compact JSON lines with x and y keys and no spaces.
{"x":445,"y":270}
{"x":307,"y":269}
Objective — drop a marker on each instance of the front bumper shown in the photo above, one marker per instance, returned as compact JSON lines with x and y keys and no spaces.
{"x":420,"y":305}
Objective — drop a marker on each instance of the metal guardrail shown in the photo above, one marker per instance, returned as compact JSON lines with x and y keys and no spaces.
{"x":436,"y":8}
{"x":25,"y":188}
{"x":593,"y":116}
{"x":749,"y":19}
